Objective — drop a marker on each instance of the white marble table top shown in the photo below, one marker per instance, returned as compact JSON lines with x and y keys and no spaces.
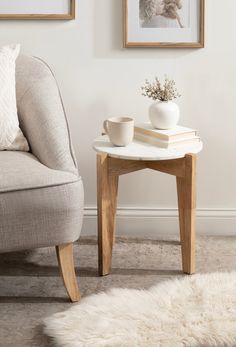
{"x":143,"y":151}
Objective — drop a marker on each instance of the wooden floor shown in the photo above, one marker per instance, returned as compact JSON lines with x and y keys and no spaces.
{"x":31,"y":287}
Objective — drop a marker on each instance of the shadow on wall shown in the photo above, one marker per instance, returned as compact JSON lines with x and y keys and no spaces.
{"x":108,"y":36}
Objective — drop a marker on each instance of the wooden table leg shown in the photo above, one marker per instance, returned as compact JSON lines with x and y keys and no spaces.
{"x":107,"y":187}
{"x":187,"y":205}
{"x":108,"y":171}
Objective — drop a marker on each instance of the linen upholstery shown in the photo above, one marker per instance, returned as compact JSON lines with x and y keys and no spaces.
{"x":41,"y":193}
{"x":40,"y":217}
{"x":41,"y":114}
{"x":22,"y":170}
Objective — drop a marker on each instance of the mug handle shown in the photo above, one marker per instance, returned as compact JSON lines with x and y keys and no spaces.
{"x":105,"y":126}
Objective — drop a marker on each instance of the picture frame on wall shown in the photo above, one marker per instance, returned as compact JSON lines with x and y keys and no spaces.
{"x":37,"y":9}
{"x":164,"y":23}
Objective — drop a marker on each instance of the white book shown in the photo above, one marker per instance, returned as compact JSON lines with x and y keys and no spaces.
{"x":176,"y":133}
{"x":166,"y":144}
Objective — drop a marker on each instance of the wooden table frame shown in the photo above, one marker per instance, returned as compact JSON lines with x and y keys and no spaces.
{"x":108,"y":171}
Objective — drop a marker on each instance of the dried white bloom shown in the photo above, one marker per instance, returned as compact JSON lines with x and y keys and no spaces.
{"x":157,"y":91}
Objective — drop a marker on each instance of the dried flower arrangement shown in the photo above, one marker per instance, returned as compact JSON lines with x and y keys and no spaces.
{"x":158,"y":91}
{"x":165,"y":8}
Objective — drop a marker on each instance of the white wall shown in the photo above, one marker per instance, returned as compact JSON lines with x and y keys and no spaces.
{"x":99,"y":79}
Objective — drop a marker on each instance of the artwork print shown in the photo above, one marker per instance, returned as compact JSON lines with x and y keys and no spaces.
{"x":37,"y":9}
{"x":173,"y":23}
{"x":164,"y":13}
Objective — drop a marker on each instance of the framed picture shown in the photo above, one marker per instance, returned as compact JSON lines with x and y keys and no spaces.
{"x":164,"y":23}
{"x":37,"y":9}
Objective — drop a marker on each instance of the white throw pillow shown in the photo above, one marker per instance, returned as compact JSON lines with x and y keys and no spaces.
{"x":11,"y":136}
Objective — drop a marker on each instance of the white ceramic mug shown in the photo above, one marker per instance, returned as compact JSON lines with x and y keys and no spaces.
{"x":120,"y":130}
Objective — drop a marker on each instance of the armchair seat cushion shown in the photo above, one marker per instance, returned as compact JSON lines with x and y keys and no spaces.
{"x":38,"y":206}
{"x":22,"y":170}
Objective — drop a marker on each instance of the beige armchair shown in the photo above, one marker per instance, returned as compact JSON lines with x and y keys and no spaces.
{"x":41,"y":192}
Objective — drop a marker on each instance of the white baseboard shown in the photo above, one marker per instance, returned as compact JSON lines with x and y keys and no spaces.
{"x":149,"y":222}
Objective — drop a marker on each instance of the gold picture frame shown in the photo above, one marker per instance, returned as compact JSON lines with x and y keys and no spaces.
{"x":48,"y":16}
{"x":128,"y":42}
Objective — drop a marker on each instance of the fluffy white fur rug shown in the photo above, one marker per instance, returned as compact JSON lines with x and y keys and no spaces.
{"x":193,"y":311}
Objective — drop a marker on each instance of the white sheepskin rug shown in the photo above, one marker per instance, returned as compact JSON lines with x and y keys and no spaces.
{"x":194,"y":311}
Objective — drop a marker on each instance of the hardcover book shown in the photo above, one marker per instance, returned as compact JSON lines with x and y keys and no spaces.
{"x":177,"y":133}
{"x":166,"y":144}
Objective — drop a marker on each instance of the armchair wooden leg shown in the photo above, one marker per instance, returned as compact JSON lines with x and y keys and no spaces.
{"x":66,"y":264}
{"x":187,"y":205}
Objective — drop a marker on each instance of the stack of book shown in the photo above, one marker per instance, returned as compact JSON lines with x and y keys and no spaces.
{"x":171,"y":138}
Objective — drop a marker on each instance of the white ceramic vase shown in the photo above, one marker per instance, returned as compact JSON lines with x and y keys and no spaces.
{"x":164,"y":114}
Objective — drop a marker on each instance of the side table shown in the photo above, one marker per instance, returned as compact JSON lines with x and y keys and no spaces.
{"x":115,"y":161}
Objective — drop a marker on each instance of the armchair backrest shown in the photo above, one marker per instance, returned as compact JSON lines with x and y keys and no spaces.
{"x":42,"y":116}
